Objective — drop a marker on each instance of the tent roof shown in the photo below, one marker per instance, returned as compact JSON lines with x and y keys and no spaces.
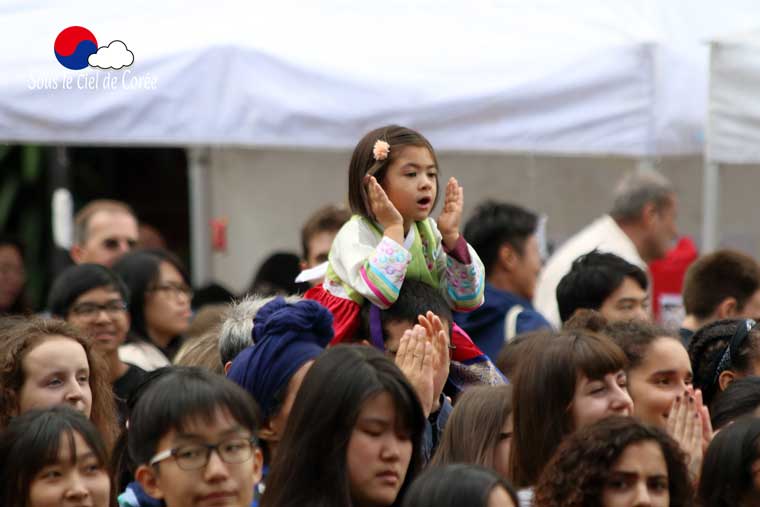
{"x":543,"y":76}
{"x":733,"y":108}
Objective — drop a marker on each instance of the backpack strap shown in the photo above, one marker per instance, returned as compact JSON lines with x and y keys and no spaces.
{"x":510,"y":323}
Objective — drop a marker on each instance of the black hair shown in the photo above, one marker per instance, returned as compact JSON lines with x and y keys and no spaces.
{"x":313,"y":450}
{"x":708,"y":346}
{"x":78,"y":279}
{"x":21,"y":305}
{"x":364,"y":163}
{"x":455,"y":485}
{"x":415,"y":298}
{"x":493,"y":223}
{"x":32,"y":441}
{"x":726,"y":479}
{"x":591,"y":280}
{"x":741,"y":397}
{"x":276,"y":276}
{"x":212,"y":294}
{"x":178,"y":396}
{"x":122,"y":466}
{"x":140,"y":270}
{"x":581,"y":468}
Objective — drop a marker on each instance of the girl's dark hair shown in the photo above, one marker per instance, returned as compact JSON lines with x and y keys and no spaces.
{"x":21,"y":305}
{"x":177,"y":396}
{"x":635,"y":337}
{"x":18,"y":336}
{"x":578,"y":472}
{"x":32,"y":441}
{"x":313,"y":450}
{"x":544,"y":388}
{"x":726,"y":478}
{"x":474,"y":426}
{"x":741,"y":397}
{"x":708,"y":347}
{"x":78,"y":279}
{"x":140,"y":272}
{"x":363,"y":162}
{"x":455,"y":485}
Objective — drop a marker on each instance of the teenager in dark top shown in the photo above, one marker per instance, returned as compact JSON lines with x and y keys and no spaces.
{"x":504,"y":235}
{"x":94,"y":299}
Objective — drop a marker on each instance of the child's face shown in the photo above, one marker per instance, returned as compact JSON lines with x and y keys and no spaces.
{"x":79,"y":481}
{"x":218,"y":483}
{"x":410,"y":183}
{"x":378,"y":454}
{"x":56,"y":371}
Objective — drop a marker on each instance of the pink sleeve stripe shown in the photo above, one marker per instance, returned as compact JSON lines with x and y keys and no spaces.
{"x":375,"y":290}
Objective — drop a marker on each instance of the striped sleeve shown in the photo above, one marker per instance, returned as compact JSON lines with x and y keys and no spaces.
{"x":373,"y":266}
{"x":462,"y":284}
{"x":384,"y":271}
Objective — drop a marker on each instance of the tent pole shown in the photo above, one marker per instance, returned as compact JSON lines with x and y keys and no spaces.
{"x":200,"y":244}
{"x":710,"y":202}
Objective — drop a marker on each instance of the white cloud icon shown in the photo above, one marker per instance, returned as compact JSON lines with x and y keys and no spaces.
{"x":114,"y":56}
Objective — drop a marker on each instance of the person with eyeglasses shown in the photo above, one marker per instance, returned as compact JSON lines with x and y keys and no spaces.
{"x":104,"y":230}
{"x":94,"y":299}
{"x":192,"y":435}
{"x":159,"y":310}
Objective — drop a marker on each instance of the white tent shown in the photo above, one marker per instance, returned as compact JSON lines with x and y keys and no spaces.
{"x":541,"y":77}
{"x":733,"y":114}
{"x":733,"y":128}
{"x":623,"y":77}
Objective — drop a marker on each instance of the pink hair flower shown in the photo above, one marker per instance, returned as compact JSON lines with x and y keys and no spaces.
{"x":380,"y":150}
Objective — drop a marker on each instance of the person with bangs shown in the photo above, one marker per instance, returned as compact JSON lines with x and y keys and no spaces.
{"x":354,"y":437}
{"x":94,"y":299}
{"x":53,"y":457}
{"x":159,"y":310}
{"x":192,"y":437}
{"x":660,"y":382}
{"x":565,"y":382}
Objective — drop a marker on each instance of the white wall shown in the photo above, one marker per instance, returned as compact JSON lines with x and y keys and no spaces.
{"x":267,"y":194}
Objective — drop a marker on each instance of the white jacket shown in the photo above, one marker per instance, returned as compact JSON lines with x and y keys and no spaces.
{"x":603,"y":234}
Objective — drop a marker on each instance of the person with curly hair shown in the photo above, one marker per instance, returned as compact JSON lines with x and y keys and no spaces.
{"x":47,"y":362}
{"x":723,"y":351}
{"x":617,"y":462}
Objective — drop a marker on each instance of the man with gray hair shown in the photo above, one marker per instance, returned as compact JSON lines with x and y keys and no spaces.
{"x":640,"y":228}
{"x":237,"y":326}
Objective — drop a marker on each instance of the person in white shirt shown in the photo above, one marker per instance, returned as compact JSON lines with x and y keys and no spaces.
{"x":640,"y":228}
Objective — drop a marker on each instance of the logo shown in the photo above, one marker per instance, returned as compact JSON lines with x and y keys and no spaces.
{"x":77,"y":48}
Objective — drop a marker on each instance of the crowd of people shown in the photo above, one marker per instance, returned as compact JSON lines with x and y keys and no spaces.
{"x":416,"y":362}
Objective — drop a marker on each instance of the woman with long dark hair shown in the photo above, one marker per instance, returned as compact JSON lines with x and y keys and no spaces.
{"x":354,"y":435}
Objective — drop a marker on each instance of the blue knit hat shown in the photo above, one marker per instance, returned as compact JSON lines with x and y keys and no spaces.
{"x":285,"y":337}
